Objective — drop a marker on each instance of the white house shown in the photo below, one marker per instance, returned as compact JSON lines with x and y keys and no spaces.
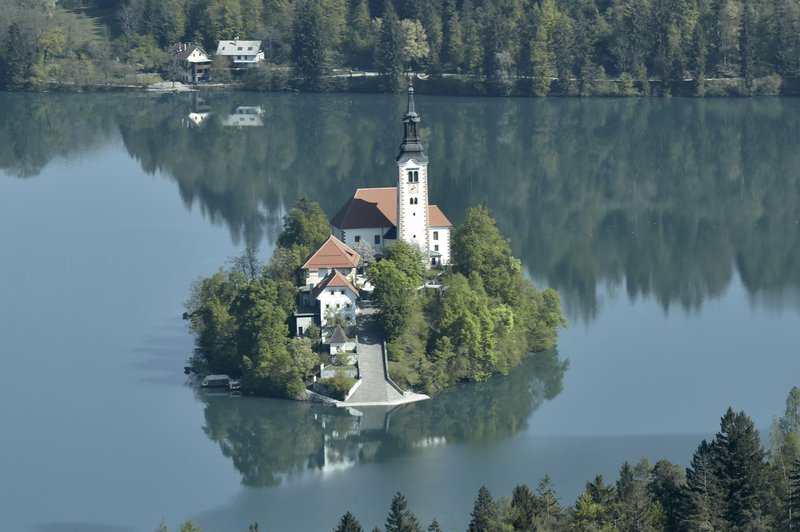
{"x":241,"y":54}
{"x":334,"y":293}
{"x":193,"y":62}
{"x":382,"y":216}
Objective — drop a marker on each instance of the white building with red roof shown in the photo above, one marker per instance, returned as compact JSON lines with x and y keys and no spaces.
{"x":381,"y":216}
{"x":330,"y":274}
{"x":332,"y":255}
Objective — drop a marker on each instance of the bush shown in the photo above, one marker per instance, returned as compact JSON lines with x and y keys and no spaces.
{"x":338,"y":386}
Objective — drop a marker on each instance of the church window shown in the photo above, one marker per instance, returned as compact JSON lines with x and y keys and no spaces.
{"x":358,"y":239}
{"x":414,"y":201}
{"x":377,"y":239}
{"x":436,"y":235}
{"x":436,"y":247}
{"x":413,"y":176}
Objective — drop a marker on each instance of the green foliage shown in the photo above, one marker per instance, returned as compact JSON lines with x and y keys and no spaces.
{"x":239,"y":321}
{"x":393,"y":295}
{"x":389,"y":52}
{"x":478,"y":247}
{"x":310,"y":36}
{"x":400,"y":518}
{"x":348,"y":523}
{"x":484,"y":513}
{"x":496,"y":46}
{"x":305,"y":225}
{"x":338,"y":385}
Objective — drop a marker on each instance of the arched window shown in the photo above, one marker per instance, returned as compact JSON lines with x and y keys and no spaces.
{"x":413,"y":201}
{"x":413,"y":176}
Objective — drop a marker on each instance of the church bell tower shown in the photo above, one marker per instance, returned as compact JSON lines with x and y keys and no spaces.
{"x":413,"y":225}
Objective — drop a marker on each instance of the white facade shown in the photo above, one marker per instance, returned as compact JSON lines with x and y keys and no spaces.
{"x":439,"y":238}
{"x":412,"y":203}
{"x":339,"y":298}
{"x":370,"y":235}
{"x":313,"y":277}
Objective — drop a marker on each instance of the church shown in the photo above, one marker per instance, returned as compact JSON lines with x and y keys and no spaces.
{"x":382,"y":216}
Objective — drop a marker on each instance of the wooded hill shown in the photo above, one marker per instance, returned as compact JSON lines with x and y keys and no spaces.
{"x":537,"y":47}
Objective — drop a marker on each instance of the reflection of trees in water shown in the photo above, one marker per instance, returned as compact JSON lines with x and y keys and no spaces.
{"x":270,"y":440}
{"x":35,"y":128}
{"x":660,"y":198}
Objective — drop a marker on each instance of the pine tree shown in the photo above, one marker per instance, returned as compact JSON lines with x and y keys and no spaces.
{"x":309,"y":41}
{"x":484,"y":512}
{"x":349,"y":523}
{"x":547,"y":510}
{"x":747,"y":47}
{"x":793,"y":500}
{"x":741,"y":469}
{"x":400,"y":519}
{"x":523,"y":504}
{"x":389,"y":58}
{"x":703,"y":492}
{"x":452,"y":42}
{"x":434,"y":526}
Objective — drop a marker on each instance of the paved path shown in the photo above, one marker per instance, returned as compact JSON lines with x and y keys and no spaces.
{"x":374,"y":388}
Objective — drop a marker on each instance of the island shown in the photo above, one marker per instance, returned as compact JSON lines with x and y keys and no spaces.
{"x":385,"y":303}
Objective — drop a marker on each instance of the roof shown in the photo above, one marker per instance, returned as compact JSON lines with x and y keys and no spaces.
{"x":183,"y":52}
{"x":333,"y":280}
{"x":369,"y":207}
{"x":333,"y":254}
{"x":338,"y":336}
{"x":377,"y":207}
{"x":436,"y":217}
{"x":237,"y":47}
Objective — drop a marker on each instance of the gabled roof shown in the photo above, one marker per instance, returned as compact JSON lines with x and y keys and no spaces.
{"x":377,"y":207}
{"x":183,"y":52}
{"x":369,"y":207}
{"x":333,"y":254}
{"x":333,"y":280}
{"x":436,"y":217}
{"x":237,"y":47}
{"x":338,"y":336}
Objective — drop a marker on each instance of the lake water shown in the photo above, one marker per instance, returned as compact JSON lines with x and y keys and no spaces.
{"x":671,"y":228}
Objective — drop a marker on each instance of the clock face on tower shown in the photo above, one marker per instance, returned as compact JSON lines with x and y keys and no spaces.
{"x":413,"y":188}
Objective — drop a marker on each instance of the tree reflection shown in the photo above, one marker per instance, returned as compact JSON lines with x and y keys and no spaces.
{"x":270,"y":441}
{"x":665,"y":199}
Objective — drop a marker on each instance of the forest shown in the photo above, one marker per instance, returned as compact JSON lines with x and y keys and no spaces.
{"x":500,"y":47}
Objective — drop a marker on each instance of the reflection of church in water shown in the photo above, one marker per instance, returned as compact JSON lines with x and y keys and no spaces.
{"x":358,"y":437}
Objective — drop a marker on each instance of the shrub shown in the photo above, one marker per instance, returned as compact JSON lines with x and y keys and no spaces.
{"x":338,"y":386}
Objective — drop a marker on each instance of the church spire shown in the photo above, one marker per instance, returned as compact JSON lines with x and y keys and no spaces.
{"x":411,"y":148}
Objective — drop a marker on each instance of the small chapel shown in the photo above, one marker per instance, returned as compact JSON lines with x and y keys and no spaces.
{"x":381,"y":216}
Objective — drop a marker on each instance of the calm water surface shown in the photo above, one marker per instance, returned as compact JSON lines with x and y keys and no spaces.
{"x":671,"y":227}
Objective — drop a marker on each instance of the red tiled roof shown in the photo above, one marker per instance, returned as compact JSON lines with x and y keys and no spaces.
{"x":334,"y":279}
{"x":369,"y":207}
{"x":377,"y":207}
{"x":333,"y":254}
{"x":436,"y":217}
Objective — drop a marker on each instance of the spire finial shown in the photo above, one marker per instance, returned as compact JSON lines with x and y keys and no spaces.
{"x":410,"y":111}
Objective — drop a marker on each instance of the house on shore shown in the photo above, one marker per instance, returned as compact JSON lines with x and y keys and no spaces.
{"x":193,"y":63}
{"x":382,"y":216}
{"x":241,"y":54}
